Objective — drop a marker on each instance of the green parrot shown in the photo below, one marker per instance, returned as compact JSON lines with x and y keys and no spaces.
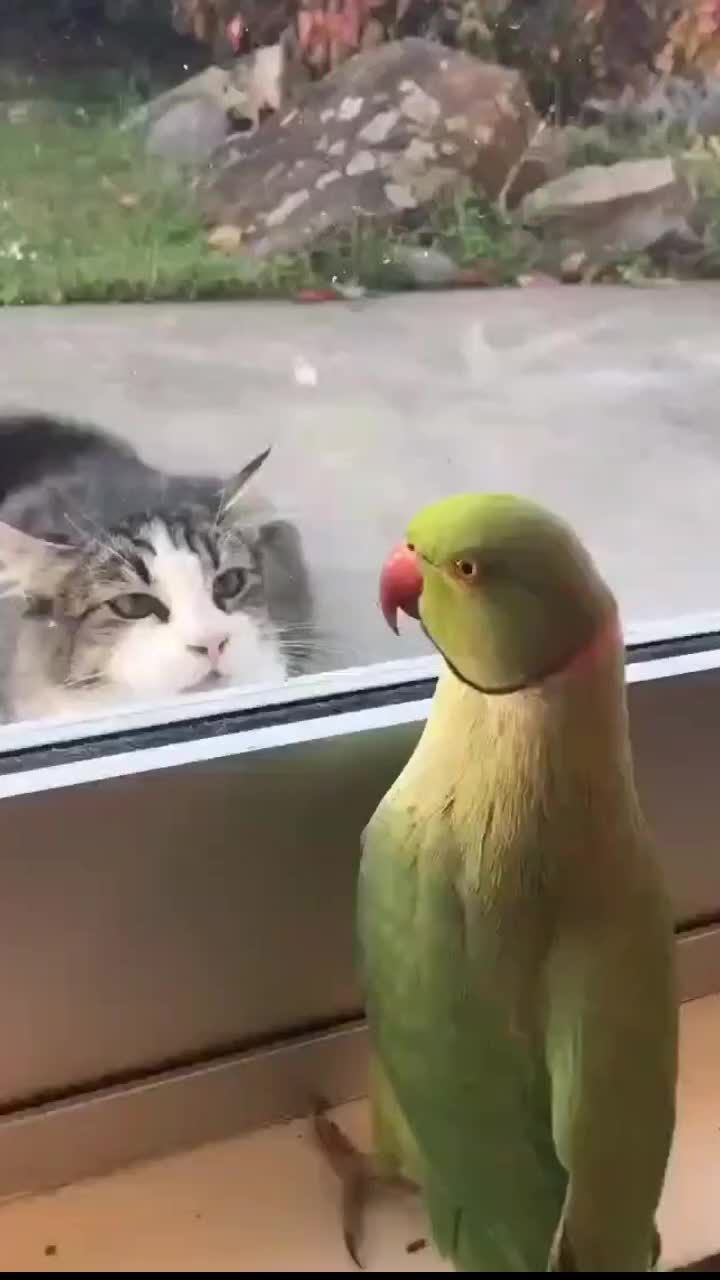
{"x":515,"y":935}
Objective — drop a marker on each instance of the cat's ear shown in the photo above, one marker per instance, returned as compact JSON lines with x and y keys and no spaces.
{"x":31,"y":565}
{"x":284,"y":571}
{"x":234,"y":487}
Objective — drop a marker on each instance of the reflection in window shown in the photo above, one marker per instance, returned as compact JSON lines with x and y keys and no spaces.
{"x":136,"y":583}
{"x":471,"y":156}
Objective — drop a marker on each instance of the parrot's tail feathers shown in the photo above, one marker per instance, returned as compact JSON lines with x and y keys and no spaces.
{"x":562,"y":1258}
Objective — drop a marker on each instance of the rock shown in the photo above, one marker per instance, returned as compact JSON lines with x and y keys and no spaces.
{"x":188,"y":123}
{"x":662,"y":103}
{"x":265,"y":81}
{"x":670,"y":102}
{"x":708,"y":122}
{"x":678,"y":252}
{"x":427,"y":267}
{"x":227,"y":89}
{"x":546,"y":159}
{"x":188,"y":132}
{"x":605,"y":212}
{"x":574,"y":267}
{"x":388,"y":132}
{"x":225,"y":239}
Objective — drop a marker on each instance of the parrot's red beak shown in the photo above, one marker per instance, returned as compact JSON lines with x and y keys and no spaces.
{"x":235,"y":32}
{"x":401,"y":584}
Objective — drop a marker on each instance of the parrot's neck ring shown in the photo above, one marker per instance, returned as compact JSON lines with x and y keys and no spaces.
{"x":583,"y":653}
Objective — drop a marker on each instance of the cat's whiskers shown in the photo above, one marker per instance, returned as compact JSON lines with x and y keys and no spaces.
{"x":10,"y":587}
{"x":309,"y":649}
{"x":80,"y":682}
{"x":310,"y":646}
{"x":299,"y":630}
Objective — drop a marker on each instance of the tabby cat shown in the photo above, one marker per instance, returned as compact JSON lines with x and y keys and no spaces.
{"x":128,"y":583}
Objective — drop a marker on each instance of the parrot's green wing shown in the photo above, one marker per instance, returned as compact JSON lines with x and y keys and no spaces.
{"x":537,"y":1097}
{"x":453,"y":1065}
{"x":612,"y":1054}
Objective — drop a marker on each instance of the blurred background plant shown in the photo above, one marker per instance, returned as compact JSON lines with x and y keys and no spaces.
{"x":567,"y":49}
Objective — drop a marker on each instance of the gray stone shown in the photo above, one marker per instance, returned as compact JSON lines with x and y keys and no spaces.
{"x":427,"y":267}
{"x":189,"y":132}
{"x":268,"y":80}
{"x":670,"y":102}
{"x":660,"y":104}
{"x":546,"y":159}
{"x":608,"y":211}
{"x":709,"y":115}
{"x":228,"y":90}
{"x":401,"y":124}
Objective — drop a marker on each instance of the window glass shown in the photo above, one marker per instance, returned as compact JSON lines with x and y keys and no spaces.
{"x":275,"y":273}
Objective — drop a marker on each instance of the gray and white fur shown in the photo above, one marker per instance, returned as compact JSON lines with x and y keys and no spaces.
{"x":130,"y":584}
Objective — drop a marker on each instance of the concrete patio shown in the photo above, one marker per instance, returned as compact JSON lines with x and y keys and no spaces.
{"x":602,"y":402}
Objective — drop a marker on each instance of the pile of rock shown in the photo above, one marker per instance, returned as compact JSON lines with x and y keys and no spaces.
{"x":188,"y":123}
{"x":381,"y":140}
{"x":282,"y":165}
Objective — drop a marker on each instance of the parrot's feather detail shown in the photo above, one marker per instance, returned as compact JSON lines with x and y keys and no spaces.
{"x":516,"y":941}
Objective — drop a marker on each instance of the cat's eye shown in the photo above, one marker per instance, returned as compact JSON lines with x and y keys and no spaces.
{"x":230,"y":583}
{"x":138,"y":604}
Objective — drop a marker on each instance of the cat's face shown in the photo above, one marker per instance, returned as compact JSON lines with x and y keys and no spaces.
{"x":164,"y":604}
{"x":166,"y":607}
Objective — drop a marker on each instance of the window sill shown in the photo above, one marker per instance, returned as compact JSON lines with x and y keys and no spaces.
{"x":267,"y":1202}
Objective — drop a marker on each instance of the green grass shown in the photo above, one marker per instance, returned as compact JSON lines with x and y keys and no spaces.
{"x":85,"y":217}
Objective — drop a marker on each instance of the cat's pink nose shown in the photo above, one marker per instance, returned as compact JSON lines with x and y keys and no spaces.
{"x":211,"y":647}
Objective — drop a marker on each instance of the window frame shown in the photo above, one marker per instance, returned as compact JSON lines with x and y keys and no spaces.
{"x":91,"y":1126}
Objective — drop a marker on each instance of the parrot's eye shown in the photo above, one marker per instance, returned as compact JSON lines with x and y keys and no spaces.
{"x":466,"y":569}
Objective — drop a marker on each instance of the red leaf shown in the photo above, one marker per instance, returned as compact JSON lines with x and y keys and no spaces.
{"x":318,"y":295}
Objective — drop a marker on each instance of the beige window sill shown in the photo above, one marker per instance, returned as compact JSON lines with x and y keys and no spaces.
{"x":267,"y":1202}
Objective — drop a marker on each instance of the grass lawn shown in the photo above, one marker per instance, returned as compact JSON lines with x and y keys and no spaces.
{"x":86,"y":217}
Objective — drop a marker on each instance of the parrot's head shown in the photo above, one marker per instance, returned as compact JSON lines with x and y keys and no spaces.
{"x":503,"y":588}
